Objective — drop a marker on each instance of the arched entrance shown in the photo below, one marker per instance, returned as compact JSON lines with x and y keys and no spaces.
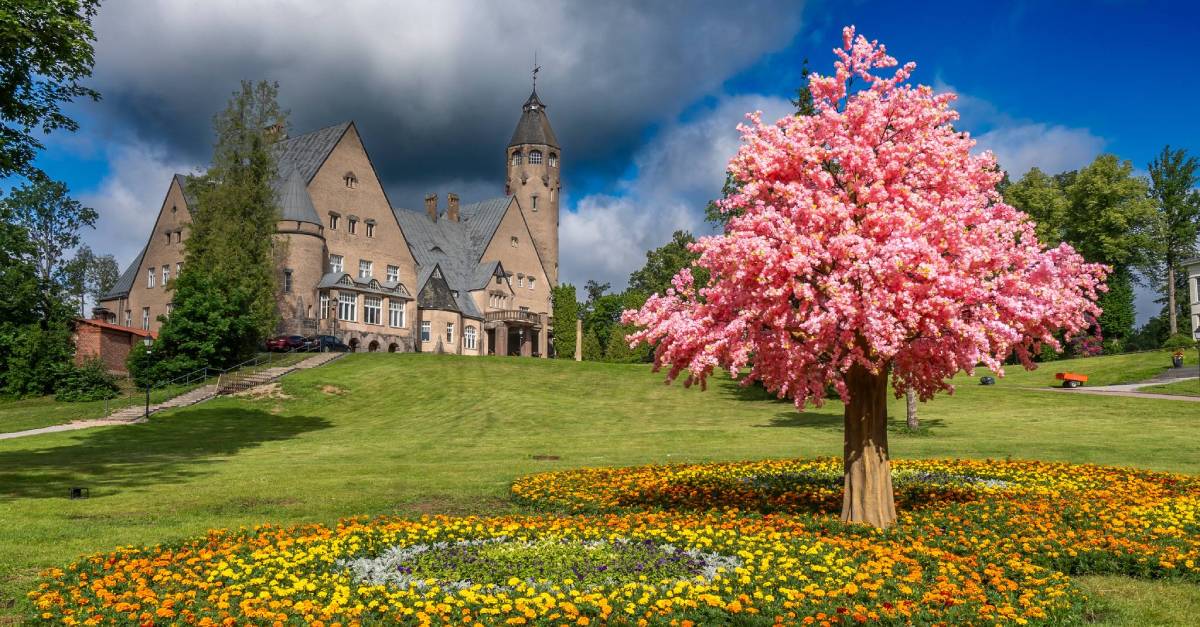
{"x":373,"y":346}
{"x":353,"y":344}
{"x":392,"y":347}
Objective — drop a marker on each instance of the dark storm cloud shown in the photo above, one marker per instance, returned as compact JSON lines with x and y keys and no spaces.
{"x":435,"y":87}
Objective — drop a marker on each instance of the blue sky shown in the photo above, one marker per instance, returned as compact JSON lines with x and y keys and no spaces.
{"x":644,"y":97}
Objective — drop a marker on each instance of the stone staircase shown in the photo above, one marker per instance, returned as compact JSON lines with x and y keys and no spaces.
{"x":137,"y":413}
{"x":234,"y":382}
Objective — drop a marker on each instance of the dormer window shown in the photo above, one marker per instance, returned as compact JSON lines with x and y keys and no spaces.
{"x":553,"y":160}
{"x":350,"y":180}
{"x":535,"y":157}
{"x":516,"y":158}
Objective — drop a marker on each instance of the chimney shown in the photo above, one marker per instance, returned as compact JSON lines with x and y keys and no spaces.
{"x":452,"y":210}
{"x":431,"y":206}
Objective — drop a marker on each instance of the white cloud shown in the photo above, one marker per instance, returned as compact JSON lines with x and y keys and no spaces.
{"x":606,"y":236}
{"x":1051,"y":148}
{"x":129,"y":197}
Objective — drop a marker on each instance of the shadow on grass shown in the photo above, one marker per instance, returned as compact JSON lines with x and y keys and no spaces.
{"x":173,"y":449}
{"x":809,"y":419}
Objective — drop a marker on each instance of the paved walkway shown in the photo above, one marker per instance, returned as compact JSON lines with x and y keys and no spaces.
{"x":1130,"y":390}
{"x":134,"y":415}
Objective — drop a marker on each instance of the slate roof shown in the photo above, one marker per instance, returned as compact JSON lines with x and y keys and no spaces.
{"x":455,"y":247}
{"x":125,"y":283}
{"x":187,"y":195}
{"x":307,"y":152}
{"x":534,"y":126}
{"x":294,"y":200}
{"x":386,"y":288}
{"x":437,"y":294}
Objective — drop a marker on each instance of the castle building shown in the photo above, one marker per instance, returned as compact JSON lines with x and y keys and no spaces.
{"x":467,"y":278}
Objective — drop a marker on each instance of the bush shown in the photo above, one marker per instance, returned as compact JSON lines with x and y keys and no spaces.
{"x":31,"y":358}
{"x":150,"y":366}
{"x":89,"y":382}
{"x":1113,"y":346}
{"x":1179,"y":341}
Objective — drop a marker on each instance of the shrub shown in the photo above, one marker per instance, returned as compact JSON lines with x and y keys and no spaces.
{"x":150,"y":366}
{"x":1179,"y":341}
{"x":88,"y":382}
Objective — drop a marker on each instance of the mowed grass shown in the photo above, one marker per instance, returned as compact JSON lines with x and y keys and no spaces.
{"x":375,"y":434}
{"x":1190,"y":387}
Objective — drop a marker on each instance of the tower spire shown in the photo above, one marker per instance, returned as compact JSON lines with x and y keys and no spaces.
{"x":536,"y":67}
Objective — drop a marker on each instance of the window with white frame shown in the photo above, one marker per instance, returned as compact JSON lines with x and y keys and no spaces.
{"x":150,"y":278}
{"x":351,"y":180}
{"x":178,"y":268}
{"x":535,"y":157}
{"x":553,"y":160}
{"x":372,"y":309}
{"x":396,"y":313}
{"x":166,"y":273}
{"x":425,"y":326}
{"x":393,"y":273}
{"x":449,"y":332}
{"x":530,"y":282}
{"x":370,"y":229}
{"x":469,"y":337}
{"x":364,"y":268}
{"x":516,"y":158}
{"x":324,"y":312}
{"x":520,"y":280}
{"x":335,"y":263}
{"x":146,"y":318}
{"x":513,"y":241}
{"x":347,"y":307}
{"x":333,"y":220}
{"x":351,"y":225}
{"x":128,"y":317}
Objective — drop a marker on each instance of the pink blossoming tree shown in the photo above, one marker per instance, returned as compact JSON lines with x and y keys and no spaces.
{"x":868,"y":247}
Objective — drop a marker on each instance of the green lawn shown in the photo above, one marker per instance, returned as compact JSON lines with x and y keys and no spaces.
{"x":410,"y":434}
{"x":1190,"y":387}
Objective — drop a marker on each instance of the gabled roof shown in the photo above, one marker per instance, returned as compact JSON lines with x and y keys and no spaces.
{"x":307,"y":152}
{"x":294,"y":201}
{"x":386,"y":288}
{"x":188,"y":197}
{"x":125,"y":283}
{"x":534,"y":126}
{"x":436,"y":293}
{"x":116,"y":327}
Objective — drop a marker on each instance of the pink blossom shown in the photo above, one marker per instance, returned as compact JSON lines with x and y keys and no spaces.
{"x":867,"y":233}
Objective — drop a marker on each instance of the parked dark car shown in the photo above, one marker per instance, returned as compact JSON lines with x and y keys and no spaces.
{"x":328,"y":343}
{"x":282,"y":343}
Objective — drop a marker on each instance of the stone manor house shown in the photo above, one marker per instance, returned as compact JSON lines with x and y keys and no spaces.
{"x":469,"y":278}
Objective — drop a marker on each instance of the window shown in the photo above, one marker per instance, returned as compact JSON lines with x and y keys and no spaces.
{"x":535,"y":157}
{"x":150,"y":278}
{"x":168,"y":239}
{"x":469,"y":337}
{"x":351,"y":225}
{"x":350,"y":180}
{"x":530,"y":282}
{"x":146,"y":318}
{"x":424,"y":330}
{"x":553,"y":160}
{"x":347,"y":307}
{"x":513,"y":241}
{"x":178,"y":268}
{"x":393,"y":273}
{"x":499,"y":280}
{"x":520,"y":280}
{"x":166,"y":274}
{"x":170,"y":308}
{"x":370,"y":229}
{"x":128,"y":317}
{"x":449,"y":332}
{"x":516,"y":158}
{"x":324,"y":312}
{"x":535,"y":203}
{"x":396,"y":313}
{"x":372,"y":309}
{"x":178,"y":236}
{"x":287,"y":281}
{"x":335,"y":263}
{"x":364,"y":268}
{"x":333,"y":220}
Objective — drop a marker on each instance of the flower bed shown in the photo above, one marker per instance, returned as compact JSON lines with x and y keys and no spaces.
{"x":1075,"y":518}
{"x":748,"y":542}
{"x":704,"y":568}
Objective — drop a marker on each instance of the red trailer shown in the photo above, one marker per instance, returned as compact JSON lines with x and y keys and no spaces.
{"x":1071,"y":379}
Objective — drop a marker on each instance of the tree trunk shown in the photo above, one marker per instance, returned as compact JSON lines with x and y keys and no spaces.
{"x":868,"y":474}
{"x":1172,"y":315}
{"x":910,"y":404}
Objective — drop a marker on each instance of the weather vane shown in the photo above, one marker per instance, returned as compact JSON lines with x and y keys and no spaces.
{"x":536,"y":67}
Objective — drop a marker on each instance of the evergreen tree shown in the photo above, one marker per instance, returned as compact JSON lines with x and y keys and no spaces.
{"x":1174,"y":177}
{"x":591,"y":347}
{"x":566,"y":312}
{"x":225,"y":296}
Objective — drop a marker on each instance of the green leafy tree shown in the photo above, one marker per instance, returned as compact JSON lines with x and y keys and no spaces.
{"x":1173,"y":179}
{"x":102,"y":275}
{"x":45,"y":51}
{"x":566,"y":312}
{"x":18,"y":275}
{"x":225,"y":296}
{"x":664,"y":262}
{"x":75,"y":276}
{"x":52,"y":221}
{"x":617,"y":348}
{"x":1040,"y":196}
